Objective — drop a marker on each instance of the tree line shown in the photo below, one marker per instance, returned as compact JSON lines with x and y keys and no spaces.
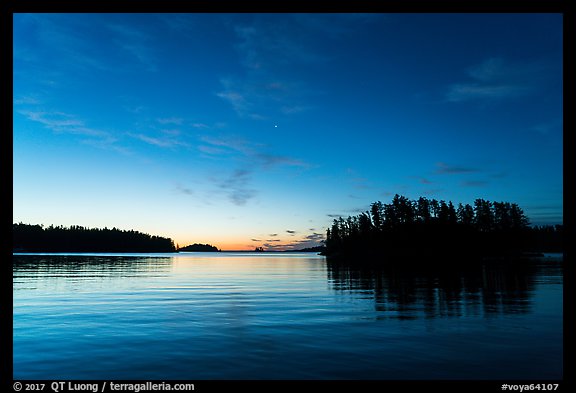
{"x":428,"y":226}
{"x":37,"y":238}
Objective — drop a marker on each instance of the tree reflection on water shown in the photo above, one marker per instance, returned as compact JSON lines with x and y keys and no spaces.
{"x":405,"y":290}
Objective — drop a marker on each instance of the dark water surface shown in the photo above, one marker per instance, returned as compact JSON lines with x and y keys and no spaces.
{"x":282,"y":316}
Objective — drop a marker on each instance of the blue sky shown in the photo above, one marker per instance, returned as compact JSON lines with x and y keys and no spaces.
{"x":245,"y":130}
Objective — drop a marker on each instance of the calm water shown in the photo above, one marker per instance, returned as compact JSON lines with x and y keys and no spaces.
{"x":281,"y":316}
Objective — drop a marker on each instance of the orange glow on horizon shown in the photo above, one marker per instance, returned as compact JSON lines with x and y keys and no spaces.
{"x":229,"y":245}
{"x":236,"y":247}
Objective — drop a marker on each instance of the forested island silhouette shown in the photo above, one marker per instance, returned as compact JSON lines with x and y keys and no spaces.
{"x":428,"y":227}
{"x":197,"y":247}
{"x":76,"y":238}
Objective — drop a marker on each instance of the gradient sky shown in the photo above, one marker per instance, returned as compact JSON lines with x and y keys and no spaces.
{"x":245,"y":130}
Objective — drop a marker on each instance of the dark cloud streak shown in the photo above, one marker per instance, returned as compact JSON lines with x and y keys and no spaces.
{"x":445,"y":169}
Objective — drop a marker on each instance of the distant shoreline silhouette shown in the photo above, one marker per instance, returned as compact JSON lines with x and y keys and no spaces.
{"x":36,"y":238}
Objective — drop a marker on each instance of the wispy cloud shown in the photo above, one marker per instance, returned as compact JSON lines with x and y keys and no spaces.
{"x":445,"y":169}
{"x":165,"y":141}
{"x":266,"y":47}
{"x":347,"y":212}
{"x":248,"y":46}
{"x":170,"y":120}
{"x":200,"y":125}
{"x":315,"y":237}
{"x":255,"y":153}
{"x":335,"y":25}
{"x":65,"y":123}
{"x":27,"y":100}
{"x":184,"y":190}
{"x":174,"y":132}
{"x":547,"y":128}
{"x":238,"y":100}
{"x":211,"y":151}
{"x":311,"y":240}
{"x":134,"y":42}
{"x":275,"y":247}
{"x":259,"y":96}
{"x":432,"y":191}
{"x":358,"y":182}
{"x":263,"y":46}
{"x":269,"y":160}
{"x":545,"y":212}
{"x":108,"y":143}
{"x":292,"y":39}
{"x":290,"y":232}
{"x":58,"y":48}
{"x":61,"y":122}
{"x":228,"y":144}
{"x":246,"y":154}
{"x":181,"y":24}
{"x":496,"y":79}
{"x":471,"y":91}
{"x":499,"y":175}
{"x":289,"y":110}
{"x":53,"y":120}
{"x":474,"y":183}
{"x":237,"y":187}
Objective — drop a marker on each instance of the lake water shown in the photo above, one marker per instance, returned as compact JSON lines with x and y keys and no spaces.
{"x":281,"y":316}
